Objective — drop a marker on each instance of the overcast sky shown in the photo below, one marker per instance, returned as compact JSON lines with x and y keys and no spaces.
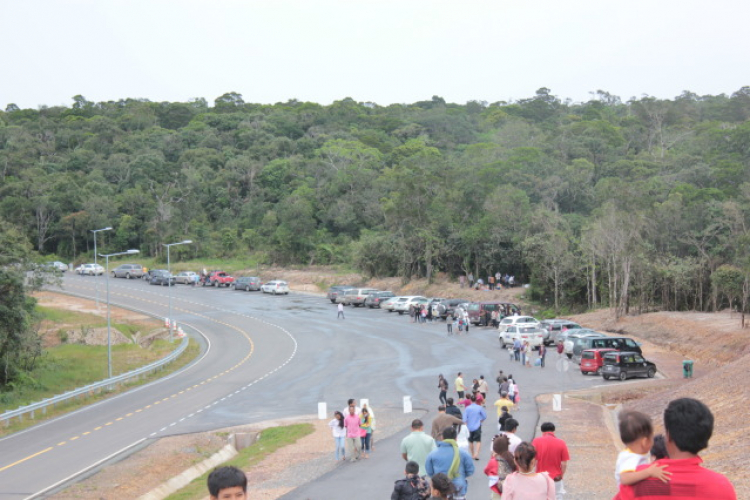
{"x":380,"y":50}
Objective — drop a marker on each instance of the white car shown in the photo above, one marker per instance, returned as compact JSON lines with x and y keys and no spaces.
{"x":533,"y":334}
{"x":275,"y":287}
{"x":90,"y":270}
{"x":404,"y":303}
{"x":517,"y":321}
{"x":59,"y":266}
{"x":389,"y":304}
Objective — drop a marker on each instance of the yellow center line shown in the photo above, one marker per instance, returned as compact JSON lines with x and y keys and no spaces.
{"x":97,"y":428}
{"x":61,"y":443}
{"x":24,"y":459}
{"x":74,"y":438}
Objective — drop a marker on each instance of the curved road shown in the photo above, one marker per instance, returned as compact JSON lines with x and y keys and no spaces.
{"x":268,"y":357}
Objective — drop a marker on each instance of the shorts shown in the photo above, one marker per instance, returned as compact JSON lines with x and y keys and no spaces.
{"x":475,"y":436}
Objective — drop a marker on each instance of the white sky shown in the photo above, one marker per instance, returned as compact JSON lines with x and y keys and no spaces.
{"x":381,"y":50}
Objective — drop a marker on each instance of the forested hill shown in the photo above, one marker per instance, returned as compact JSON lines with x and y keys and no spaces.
{"x":634,"y":204}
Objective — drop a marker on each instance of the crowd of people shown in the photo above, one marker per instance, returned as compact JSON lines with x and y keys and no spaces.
{"x":439,"y":464}
{"x":496,"y":281}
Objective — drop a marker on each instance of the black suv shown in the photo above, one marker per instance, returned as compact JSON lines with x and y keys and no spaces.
{"x":375,"y":298}
{"x":161,"y":277}
{"x":625,"y":364}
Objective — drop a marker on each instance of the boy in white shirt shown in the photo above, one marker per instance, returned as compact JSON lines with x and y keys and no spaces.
{"x":637,"y":433}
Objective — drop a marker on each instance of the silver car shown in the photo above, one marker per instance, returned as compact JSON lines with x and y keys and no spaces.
{"x":128,"y":271}
{"x":187,"y":277}
{"x":275,"y":287}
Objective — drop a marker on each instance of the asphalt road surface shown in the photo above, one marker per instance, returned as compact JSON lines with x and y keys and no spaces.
{"x":272,"y":357}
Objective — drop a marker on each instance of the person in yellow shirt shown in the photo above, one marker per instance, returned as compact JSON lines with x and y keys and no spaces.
{"x":503,"y":401}
{"x":460,"y":388}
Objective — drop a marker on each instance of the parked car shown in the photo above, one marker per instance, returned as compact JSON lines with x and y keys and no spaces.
{"x":354,"y":296}
{"x":625,"y":364}
{"x":446,"y":308}
{"x":276,"y":287}
{"x":389,"y":304}
{"x":90,"y":270}
{"x":161,"y":277}
{"x":404,"y":303}
{"x":480,"y":311}
{"x":128,"y":271}
{"x":57,"y":266}
{"x":517,"y":321}
{"x":618,"y":343}
{"x":577,"y":334}
{"x":592,"y":360}
{"x":335,"y":290}
{"x":555,"y":326}
{"x":376,"y":298}
{"x":187,"y":277}
{"x":218,"y":279}
{"x":247,"y":283}
{"x":531,"y":333}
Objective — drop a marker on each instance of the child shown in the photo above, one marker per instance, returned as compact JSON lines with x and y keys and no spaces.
{"x":637,"y":433}
{"x":227,"y":483}
{"x":460,"y":325}
{"x":412,"y":486}
{"x":659,"y":448}
{"x":449,"y":324}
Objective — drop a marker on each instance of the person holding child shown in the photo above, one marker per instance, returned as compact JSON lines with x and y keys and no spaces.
{"x":637,"y":434}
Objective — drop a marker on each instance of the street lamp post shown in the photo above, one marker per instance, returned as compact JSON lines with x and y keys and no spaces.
{"x":169,"y":282}
{"x":109,"y":324}
{"x":96,"y":283}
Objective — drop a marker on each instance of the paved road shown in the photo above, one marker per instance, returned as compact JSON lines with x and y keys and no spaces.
{"x":269,"y":357}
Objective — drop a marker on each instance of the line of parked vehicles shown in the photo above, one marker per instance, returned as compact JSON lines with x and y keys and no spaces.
{"x":163,"y":277}
{"x":596,"y":353}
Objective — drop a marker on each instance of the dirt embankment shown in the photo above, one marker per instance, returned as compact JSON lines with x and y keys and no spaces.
{"x":721,"y":351}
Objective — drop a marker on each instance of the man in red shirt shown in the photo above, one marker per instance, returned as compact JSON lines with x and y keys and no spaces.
{"x":552,"y":457}
{"x":688,"y":425}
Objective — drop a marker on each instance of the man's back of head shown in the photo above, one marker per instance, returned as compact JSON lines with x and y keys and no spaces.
{"x":548,"y":427}
{"x":417,"y":425}
{"x":441,"y":409}
{"x":689,"y":425}
{"x":449,"y":433}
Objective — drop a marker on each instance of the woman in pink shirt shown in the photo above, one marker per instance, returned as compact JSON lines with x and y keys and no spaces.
{"x":525,"y":484}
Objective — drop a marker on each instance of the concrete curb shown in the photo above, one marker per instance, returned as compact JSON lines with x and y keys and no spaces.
{"x":178,"y":482}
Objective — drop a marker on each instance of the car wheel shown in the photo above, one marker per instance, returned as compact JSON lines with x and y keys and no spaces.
{"x":623,"y":375}
{"x":584,"y":373}
{"x":113,"y":275}
{"x":400,"y":312}
{"x":606,"y":377}
{"x":127,"y":276}
{"x":216,"y":284}
{"x":599,"y":371}
{"x":651,"y":373}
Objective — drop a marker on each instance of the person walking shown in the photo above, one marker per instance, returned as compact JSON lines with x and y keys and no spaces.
{"x":443,"y":421}
{"x":365,"y":425}
{"x":525,"y":483}
{"x":560,"y":349}
{"x":443,"y":386}
{"x":483,"y":388}
{"x":353,"y":435}
{"x":467,"y":323}
{"x":526,"y":354}
{"x":474,"y":415}
{"x":339,"y":434}
{"x":417,"y":445}
{"x":460,"y":388}
{"x":442,"y":487}
{"x":501,"y":464}
{"x":517,"y":349}
{"x":552,"y":457}
{"x":542,"y":354}
{"x":455,"y":463}
{"x":341,"y":311}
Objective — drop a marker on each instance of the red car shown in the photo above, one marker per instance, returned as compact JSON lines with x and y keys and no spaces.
{"x":591,"y":360}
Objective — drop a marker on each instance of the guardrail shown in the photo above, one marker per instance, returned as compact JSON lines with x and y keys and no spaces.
{"x":93,"y":388}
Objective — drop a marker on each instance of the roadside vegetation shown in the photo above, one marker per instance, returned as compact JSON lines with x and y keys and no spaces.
{"x":271,"y":439}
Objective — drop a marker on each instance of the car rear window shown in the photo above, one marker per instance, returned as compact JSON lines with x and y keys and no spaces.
{"x":506,"y":321}
{"x":473,"y":307}
{"x":610,"y":359}
{"x":587,"y":355}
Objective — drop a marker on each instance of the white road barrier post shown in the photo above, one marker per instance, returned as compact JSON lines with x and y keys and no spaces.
{"x":557,"y":402}
{"x":322,"y":411}
{"x":407,"y":404}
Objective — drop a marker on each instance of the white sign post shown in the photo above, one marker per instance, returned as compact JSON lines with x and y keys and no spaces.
{"x":407,"y":404}
{"x":322,"y":411}
{"x":557,"y":402}
{"x":363,"y":402}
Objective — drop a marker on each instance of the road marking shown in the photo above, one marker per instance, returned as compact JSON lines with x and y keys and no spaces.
{"x":74,"y":438}
{"x":25,"y":459}
{"x":61,"y":443}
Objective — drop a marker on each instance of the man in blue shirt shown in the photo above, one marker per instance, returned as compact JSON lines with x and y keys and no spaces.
{"x":474,"y":415}
{"x":441,"y":460}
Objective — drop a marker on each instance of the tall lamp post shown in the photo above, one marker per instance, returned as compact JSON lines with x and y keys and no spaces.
{"x":96,"y":284}
{"x":109,"y":325}
{"x":169,"y":282}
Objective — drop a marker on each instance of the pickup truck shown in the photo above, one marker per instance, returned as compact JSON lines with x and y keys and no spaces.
{"x":218,"y":279}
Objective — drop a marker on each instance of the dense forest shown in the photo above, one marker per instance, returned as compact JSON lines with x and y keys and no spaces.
{"x":636,"y":205}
